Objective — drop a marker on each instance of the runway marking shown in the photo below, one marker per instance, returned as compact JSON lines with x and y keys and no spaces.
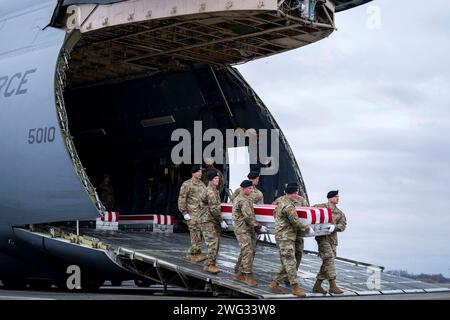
{"x":24,"y":298}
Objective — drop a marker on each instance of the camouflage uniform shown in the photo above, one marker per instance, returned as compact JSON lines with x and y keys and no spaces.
{"x":299,"y":202}
{"x":192,"y":200}
{"x":245,"y":225}
{"x":299,"y":243}
{"x":327,"y":244}
{"x":287,"y":229}
{"x":210,"y":224}
{"x":256,"y":196}
{"x":107,"y":195}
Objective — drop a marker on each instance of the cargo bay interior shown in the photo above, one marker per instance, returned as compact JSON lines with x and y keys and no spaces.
{"x":127,"y":87}
{"x":124,"y":129}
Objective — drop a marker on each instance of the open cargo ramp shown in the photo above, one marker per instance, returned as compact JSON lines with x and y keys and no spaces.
{"x":160,"y":257}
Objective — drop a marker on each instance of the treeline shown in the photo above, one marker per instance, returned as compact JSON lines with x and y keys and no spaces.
{"x":430,"y":278}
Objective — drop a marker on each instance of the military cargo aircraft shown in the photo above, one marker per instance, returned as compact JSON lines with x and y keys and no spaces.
{"x":89,"y":88}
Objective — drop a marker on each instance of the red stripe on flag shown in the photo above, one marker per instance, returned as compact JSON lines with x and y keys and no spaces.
{"x":313,"y":216}
{"x":225,"y":207}
{"x":322,"y":216}
{"x":302,"y":214}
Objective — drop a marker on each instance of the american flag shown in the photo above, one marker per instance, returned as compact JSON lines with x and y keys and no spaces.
{"x":264,"y":213}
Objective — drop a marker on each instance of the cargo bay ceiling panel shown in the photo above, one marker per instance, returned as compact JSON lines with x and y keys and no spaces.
{"x":133,"y":37}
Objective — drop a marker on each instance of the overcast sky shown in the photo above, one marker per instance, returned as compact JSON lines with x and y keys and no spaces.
{"x":367,"y":111}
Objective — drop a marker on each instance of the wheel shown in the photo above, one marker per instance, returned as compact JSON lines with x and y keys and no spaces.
{"x":14,"y":284}
{"x":142,"y":283}
{"x":40,"y":284}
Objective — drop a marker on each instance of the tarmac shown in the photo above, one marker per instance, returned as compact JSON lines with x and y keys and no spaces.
{"x":128,"y":291}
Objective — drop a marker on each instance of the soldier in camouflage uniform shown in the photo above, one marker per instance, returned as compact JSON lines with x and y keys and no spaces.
{"x":245,"y":227}
{"x":210,"y":222}
{"x":299,"y":201}
{"x":191,"y":203}
{"x":299,"y":243}
{"x":106,"y":193}
{"x":287,"y":228}
{"x":256,"y":195}
{"x":327,"y":245}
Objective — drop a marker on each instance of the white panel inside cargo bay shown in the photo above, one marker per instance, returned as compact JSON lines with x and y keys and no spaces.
{"x":239,"y":165}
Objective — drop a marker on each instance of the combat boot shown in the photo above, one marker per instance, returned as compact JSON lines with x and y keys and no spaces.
{"x":191,"y":258}
{"x":275,"y":288}
{"x":199,"y":258}
{"x":236,"y":269}
{"x":239,"y":277}
{"x":334,"y":288}
{"x":318,"y":287}
{"x":211,"y":269}
{"x":297,"y":291}
{"x":248,"y":279}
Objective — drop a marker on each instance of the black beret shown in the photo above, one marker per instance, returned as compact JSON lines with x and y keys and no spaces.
{"x":292,"y":184}
{"x":212,"y":174}
{"x":291,"y":189}
{"x":332,"y":194}
{"x":195,"y":168}
{"x":246,"y":183}
{"x":253,"y":175}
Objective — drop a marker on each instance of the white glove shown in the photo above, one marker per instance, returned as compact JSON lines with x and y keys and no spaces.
{"x":310,"y":231}
{"x":224,"y":225}
{"x":332,"y":228}
{"x":263,"y":229}
{"x":187,"y":217}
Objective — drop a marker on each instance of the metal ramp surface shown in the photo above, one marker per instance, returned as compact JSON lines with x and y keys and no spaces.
{"x":161,"y":258}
